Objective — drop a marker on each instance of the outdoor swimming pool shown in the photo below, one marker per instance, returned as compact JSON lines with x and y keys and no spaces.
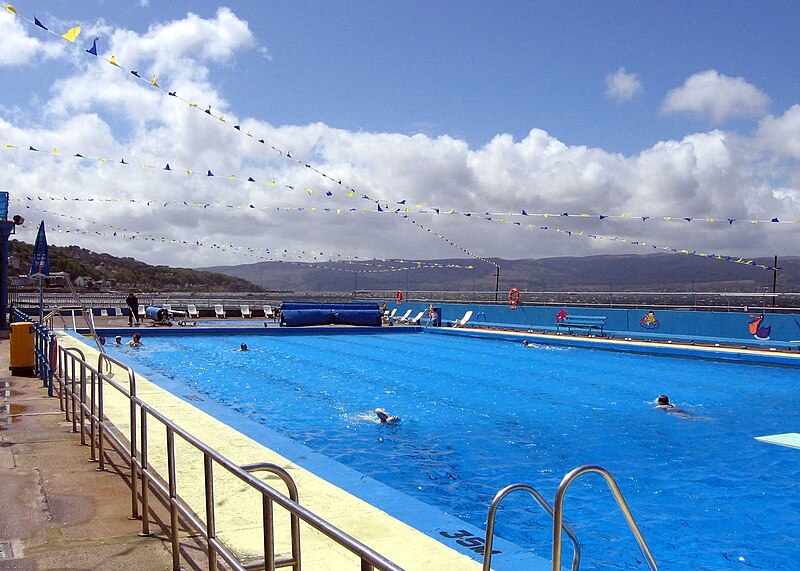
{"x":479,"y":414}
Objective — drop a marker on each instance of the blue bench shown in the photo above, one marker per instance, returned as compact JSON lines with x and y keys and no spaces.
{"x":583,"y":322}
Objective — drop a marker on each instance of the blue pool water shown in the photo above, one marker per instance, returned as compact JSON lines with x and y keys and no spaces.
{"x":479,"y":414}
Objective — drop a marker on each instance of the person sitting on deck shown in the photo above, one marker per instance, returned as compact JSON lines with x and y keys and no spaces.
{"x":384,"y":417}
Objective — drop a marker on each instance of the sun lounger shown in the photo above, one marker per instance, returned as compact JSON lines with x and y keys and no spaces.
{"x":389,"y":315}
{"x":219,"y":311}
{"x":404,"y":318}
{"x":417,"y":319}
{"x":463,"y":321}
{"x":191,"y":310}
{"x":246,"y":311}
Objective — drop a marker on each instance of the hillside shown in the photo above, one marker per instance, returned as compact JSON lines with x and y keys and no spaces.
{"x":124,"y":273}
{"x":651,"y":272}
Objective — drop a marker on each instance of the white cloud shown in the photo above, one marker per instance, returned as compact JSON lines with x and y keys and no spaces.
{"x":102,"y":112}
{"x":18,"y":48}
{"x":623,"y":86}
{"x":717,"y":95}
{"x":782,"y":134}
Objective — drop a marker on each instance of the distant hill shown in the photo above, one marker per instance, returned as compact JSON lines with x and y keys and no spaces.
{"x":124,"y":273}
{"x":650,"y":272}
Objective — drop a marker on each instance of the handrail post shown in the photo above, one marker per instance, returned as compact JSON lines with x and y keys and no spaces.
{"x":499,"y":497}
{"x":93,"y":416}
{"x":103,"y":358}
{"x":211,"y":521}
{"x":100,"y":424}
{"x":145,"y":476}
{"x":558,"y":513}
{"x":173,"y":494}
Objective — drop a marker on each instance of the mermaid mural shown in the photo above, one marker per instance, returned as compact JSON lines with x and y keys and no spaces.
{"x":756,"y":330}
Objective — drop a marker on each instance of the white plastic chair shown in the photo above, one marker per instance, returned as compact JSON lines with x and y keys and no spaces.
{"x":219,"y":311}
{"x":191,"y":310}
{"x":246,"y":311}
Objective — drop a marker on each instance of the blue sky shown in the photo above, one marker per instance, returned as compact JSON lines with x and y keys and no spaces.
{"x":661,"y":109}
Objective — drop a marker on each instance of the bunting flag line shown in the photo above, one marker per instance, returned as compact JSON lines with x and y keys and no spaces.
{"x":26,"y":201}
{"x":207,"y":111}
{"x":386,"y":204}
{"x":365,"y":265}
{"x":73,"y":33}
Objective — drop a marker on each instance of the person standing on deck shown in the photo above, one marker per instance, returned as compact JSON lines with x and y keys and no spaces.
{"x":133,"y":303}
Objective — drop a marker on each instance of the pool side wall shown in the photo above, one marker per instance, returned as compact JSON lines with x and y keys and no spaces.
{"x":732,"y":327}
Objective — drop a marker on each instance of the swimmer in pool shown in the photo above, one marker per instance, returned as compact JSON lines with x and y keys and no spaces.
{"x":118,"y":340}
{"x":243,"y":347}
{"x":135,"y":342}
{"x":384,"y":417}
{"x":663,"y":403}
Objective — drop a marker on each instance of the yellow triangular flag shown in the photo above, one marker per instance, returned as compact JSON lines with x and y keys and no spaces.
{"x":55,"y":151}
{"x":113,"y":61}
{"x":10,"y":8}
{"x":153,"y":82}
{"x":72,"y":33}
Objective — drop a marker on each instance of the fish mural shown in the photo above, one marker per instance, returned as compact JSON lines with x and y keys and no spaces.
{"x":756,"y":330}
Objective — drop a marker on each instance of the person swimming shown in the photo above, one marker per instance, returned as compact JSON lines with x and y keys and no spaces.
{"x":663,"y":403}
{"x":384,"y":417}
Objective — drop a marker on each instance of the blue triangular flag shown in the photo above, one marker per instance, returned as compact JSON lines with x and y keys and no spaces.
{"x":93,"y":50}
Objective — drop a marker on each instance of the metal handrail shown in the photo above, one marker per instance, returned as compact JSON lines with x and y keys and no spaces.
{"x":558,"y":513}
{"x":92,"y":403}
{"x":487,"y":552}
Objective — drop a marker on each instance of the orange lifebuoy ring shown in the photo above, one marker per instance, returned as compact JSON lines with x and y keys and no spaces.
{"x":399,"y":296}
{"x":513,"y":298}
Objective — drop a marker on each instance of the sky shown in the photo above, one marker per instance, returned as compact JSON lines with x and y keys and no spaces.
{"x":421,"y":130}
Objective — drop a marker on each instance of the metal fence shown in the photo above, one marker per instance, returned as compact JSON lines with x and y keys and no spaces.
{"x":691,"y":301}
{"x":83,"y":390}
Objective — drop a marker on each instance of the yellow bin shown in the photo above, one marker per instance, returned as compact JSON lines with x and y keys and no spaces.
{"x":22,"y":360}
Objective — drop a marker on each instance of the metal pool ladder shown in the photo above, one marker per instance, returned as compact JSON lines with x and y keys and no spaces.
{"x":558,"y":518}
